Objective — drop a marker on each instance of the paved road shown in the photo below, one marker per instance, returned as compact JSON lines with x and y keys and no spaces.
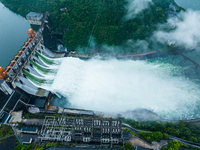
{"x":193,"y":120}
{"x":170,"y":137}
{"x":185,"y":142}
{"x":131,"y":128}
{"x":13,"y":128}
{"x":118,"y":57}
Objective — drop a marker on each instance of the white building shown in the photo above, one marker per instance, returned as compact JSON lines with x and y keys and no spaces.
{"x":34,"y":18}
{"x":5,"y":88}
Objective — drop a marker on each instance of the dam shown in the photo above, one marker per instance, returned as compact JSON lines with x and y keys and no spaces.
{"x":31,"y":56}
{"x":17,"y":89}
{"x":37,"y":71}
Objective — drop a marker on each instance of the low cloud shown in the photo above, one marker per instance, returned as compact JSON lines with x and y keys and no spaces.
{"x":134,"y":7}
{"x":138,"y":46}
{"x":186,"y":30}
{"x":181,"y":30}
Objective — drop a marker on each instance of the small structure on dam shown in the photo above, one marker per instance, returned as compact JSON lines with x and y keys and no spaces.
{"x":34,"y":18}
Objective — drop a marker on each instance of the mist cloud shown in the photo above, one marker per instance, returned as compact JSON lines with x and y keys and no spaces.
{"x":139,"y":45}
{"x":134,"y":7}
{"x":186,"y":30}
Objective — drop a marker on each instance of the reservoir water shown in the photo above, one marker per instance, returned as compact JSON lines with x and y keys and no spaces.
{"x":167,"y":86}
{"x":13,"y":28}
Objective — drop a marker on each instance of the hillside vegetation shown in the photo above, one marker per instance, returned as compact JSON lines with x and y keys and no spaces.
{"x":100,"y":19}
{"x":183,"y":130}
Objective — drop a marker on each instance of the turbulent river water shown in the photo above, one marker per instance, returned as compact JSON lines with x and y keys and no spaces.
{"x":167,"y":86}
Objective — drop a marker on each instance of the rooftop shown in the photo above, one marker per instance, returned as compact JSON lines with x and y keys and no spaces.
{"x":38,"y":102}
{"x":33,"y":14}
{"x":13,"y":100}
{"x":3,"y":99}
{"x":6,"y":117}
{"x":26,"y":139}
{"x":75,"y":111}
{"x":27,"y":129}
{"x":8,"y":101}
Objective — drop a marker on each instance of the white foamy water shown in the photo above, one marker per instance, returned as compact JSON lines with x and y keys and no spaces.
{"x":117,"y":86}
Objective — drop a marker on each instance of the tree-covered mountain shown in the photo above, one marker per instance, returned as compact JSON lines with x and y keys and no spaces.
{"x":79,"y":20}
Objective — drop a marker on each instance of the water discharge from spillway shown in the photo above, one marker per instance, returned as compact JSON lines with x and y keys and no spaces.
{"x":116,"y":86}
{"x":44,"y":73}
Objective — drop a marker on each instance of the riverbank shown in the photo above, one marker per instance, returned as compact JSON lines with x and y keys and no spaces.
{"x":136,"y":56}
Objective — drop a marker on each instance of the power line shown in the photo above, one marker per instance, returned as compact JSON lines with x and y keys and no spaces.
{"x":94,"y":25}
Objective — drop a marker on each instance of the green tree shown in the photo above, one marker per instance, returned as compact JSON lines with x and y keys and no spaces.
{"x":128,"y":146}
{"x":174,"y":145}
{"x":165,"y":136}
{"x":101,"y":19}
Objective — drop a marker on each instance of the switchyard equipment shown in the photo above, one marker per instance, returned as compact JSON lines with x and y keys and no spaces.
{"x":80,"y":129}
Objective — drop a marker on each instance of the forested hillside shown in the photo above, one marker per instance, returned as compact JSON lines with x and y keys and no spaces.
{"x":79,"y":20}
{"x":183,"y":130}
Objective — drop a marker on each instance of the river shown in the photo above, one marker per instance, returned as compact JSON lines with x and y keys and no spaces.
{"x":166,"y":86}
{"x":13,"y":28}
